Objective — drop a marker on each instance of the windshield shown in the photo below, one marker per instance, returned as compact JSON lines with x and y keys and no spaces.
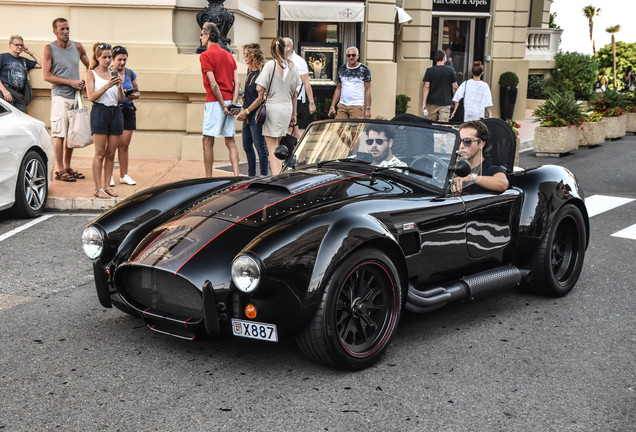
{"x":380,"y":144}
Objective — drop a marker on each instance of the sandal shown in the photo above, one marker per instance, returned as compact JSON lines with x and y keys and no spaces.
{"x":64,"y":176}
{"x":110,"y":191}
{"x":99,"y":193}
{"x":75,"y":174}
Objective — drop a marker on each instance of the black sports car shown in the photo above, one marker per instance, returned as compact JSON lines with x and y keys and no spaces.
{"x":335,"y":247}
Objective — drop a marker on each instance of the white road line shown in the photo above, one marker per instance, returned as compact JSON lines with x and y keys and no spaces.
{"x":23,"y":227}
{"x":597,"y":204}
{"x":628,"y":233}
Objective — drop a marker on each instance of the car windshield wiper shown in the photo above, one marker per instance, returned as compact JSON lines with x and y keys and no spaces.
{"x":354,"y":160}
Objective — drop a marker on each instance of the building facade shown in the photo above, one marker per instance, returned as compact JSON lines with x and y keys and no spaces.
{"x":396,"y":39}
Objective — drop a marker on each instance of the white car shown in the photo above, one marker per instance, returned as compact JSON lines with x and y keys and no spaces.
{"x":26,"y":162}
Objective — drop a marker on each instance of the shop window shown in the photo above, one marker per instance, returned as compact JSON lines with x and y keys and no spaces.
{"x":317,"y":32}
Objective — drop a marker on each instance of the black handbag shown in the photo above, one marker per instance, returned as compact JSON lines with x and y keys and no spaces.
{"x":261,"y":112}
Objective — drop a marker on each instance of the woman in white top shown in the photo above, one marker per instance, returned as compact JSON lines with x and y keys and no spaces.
{"x":476,"y":94}
{"x":105,"y":90}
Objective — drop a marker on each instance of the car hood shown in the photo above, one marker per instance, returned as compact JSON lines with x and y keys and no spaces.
{"x":222,"y":224}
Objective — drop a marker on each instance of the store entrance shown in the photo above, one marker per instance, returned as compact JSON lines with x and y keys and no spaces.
{"x":462,"y":39}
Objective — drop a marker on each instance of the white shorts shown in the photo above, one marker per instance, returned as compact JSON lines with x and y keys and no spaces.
{"x":215,"y":122}
{"x":59,"y":120}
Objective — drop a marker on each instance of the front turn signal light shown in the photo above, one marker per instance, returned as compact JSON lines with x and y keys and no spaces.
{"x":250,"y":311}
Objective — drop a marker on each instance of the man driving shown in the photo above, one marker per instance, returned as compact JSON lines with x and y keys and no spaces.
{"x":484,"y":176}
{"x":379,"y":145}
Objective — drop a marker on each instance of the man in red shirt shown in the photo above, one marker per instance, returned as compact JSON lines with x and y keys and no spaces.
{"x":221,"y":82}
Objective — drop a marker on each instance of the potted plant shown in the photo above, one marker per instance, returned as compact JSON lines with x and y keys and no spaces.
{"x":593,"y":130}
{"x":515,"y":129}
{"x":560,"y":117}
{"x":402,"y":103}
{"x":508,"y":82}
{"x":611,"y":105}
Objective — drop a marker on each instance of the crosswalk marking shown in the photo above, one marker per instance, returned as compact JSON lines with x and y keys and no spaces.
{"x":597,"y":204}
{"x":628,"y":233}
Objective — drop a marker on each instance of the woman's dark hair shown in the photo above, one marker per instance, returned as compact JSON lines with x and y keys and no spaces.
{"x":278,"y":51}
{"x":119,"y":50}
{"x":478,"y":68}
{"x":256,"y":52}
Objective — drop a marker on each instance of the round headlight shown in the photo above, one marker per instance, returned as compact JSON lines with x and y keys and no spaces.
{"x":92,"y":242}
{"x":246,"y":273}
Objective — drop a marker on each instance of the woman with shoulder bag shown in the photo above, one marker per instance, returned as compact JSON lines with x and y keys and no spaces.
{"x":476,"y":94}
{"x":279,"y":78}
{"x":252,"y":132}
{"x":129,"y":111}
{"x":104,"y":89}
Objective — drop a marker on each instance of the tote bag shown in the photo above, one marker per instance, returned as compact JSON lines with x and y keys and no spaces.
{"x":28,"y":90}
{"x":79,"y":125}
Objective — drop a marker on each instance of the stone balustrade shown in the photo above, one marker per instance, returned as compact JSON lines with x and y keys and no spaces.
{"x":542,"y":43}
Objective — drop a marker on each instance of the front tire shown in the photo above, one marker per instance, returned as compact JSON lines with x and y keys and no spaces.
{"x":31,"y":188}
{"x":358,"y":313}
{"x":558,"y":262}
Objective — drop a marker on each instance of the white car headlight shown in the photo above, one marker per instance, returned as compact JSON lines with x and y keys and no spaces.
{"x":92,"y":242}
{"x":246,"y":273}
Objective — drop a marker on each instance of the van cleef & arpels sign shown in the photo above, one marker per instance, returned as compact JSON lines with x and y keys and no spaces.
{"x":461,"y":5}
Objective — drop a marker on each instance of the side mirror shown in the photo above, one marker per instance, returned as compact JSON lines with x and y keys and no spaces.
{"x":462,"y":168}
{"x":281,"y":152}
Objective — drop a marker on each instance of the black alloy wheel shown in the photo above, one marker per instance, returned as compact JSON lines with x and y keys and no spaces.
{"x":358,"y":314}
{"x":558,"y":262}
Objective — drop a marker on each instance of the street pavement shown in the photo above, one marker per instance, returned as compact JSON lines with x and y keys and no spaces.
{"x":148,"y":172}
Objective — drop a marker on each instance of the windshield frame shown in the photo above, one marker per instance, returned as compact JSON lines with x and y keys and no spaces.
{"x":355,"y":131}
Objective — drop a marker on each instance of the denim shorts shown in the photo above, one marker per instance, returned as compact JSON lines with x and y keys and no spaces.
{"x":107,"y":120}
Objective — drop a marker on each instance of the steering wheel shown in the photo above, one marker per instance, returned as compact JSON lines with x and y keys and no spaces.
{"x":433,"y":165}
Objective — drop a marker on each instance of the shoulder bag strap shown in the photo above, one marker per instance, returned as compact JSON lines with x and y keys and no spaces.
{"x":270,"y":82}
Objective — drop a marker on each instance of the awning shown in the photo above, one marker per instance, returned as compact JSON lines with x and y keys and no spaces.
{"x":321,"y":11}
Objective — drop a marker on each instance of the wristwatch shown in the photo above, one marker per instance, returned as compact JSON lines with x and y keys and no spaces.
{"x":474,"y":177}
{"x":247,"y":111}
{"x":368,"y":108}
{"x":311,"y":101}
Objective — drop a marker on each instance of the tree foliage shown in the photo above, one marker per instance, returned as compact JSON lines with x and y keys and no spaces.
{"x":625,"y":56}
{"x":575,"y":73}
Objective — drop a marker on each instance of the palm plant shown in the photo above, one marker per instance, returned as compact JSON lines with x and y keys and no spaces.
{"x":590,"y":12}
{"x":612,"y":30}
{"x":560,"y":109}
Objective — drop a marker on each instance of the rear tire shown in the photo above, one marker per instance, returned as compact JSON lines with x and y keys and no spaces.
{"x":557,"y":263}
{"x":358,"y":313}
{"x":31,"y":188}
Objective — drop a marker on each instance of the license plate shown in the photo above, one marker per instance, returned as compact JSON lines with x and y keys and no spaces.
{"x":254,"y":330}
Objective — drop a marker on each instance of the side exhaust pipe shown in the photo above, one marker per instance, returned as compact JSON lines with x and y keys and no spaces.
{"x":471,"y":287}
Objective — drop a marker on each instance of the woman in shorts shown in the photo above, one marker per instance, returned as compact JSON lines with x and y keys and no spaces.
{"x":104,"y":89}
{"x":129,"y":111}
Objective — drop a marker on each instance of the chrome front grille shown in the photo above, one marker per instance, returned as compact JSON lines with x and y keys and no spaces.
{"x":160,"y":291}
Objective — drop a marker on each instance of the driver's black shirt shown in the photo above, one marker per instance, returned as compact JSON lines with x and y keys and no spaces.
{"x":482,"y":170}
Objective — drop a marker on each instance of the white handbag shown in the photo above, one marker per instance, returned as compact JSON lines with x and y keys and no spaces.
{"x":79,"y":125}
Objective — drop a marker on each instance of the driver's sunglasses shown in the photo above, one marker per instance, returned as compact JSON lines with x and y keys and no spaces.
{"x":469,"y":141}
{"x":378,"y":141}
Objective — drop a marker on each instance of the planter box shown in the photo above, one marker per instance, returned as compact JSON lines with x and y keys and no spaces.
{"x":555,"y":141}
{"x":631,"y":122}
{"x":615,"y":127}
{"x":593,"y":133}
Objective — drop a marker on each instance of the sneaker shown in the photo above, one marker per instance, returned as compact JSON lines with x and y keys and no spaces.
{"x":112,"y":181}
{"x":127,"y":180}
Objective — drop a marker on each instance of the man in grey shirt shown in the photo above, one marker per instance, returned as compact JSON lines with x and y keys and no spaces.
{"x":60,"y":67}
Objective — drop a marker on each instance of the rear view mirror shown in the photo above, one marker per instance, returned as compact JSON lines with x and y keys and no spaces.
{"x":462,"y":168}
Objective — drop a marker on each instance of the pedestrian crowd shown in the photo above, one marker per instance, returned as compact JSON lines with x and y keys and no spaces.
{"x":108,"y":84}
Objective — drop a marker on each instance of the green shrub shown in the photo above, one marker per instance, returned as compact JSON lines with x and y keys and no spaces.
{"x":536,"y":87}
{"x":625,"y":56}
{"x":560,"y":109}
{"x":574,"y":72}
{"x":508,"y":79}
{"x":609,"y":103}
{"x":402,"y":103}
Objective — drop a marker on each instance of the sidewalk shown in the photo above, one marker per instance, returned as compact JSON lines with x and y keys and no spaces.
{"x":148,"y":172}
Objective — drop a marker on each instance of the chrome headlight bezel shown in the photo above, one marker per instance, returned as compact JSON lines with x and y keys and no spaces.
{"x":246,"y":272}
{"x":92,"y":241}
